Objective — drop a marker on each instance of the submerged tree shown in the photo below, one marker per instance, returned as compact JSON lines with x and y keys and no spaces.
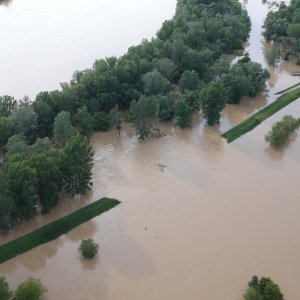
{"x":145,"y":113}
{"x":183,"y":114}
{"x":213,"y":99}
{"x":76,"y":165}
{"x":263,"y":289}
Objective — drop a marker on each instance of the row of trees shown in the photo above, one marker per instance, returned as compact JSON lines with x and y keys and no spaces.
{"x":283,"y":28}
{"x":34,"y":172}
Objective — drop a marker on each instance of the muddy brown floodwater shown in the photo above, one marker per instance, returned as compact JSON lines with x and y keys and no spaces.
{"x":216,"y":215}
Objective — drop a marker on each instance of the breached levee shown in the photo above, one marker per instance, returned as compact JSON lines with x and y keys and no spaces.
{"x":254,"y":120}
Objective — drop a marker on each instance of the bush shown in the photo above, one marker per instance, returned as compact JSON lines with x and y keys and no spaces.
{"x":88,"y":248}
{"x":281,"y":131}
{"x":5,"y":293}
{"x":263,"y":289}
{"x":30,"y":289}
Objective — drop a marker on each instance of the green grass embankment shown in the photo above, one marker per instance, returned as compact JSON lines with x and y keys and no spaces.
{"x":262,"y":115}
{"x":55,"y":229}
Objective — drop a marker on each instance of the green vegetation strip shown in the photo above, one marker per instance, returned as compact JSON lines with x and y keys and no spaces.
{"x":55,"y":229}
{"x":262,"y":115}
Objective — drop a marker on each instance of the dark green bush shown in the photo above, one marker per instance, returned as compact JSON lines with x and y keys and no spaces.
{"x":88,"y":248}
{"x":101,"y":121}
{"x":30,"y":289}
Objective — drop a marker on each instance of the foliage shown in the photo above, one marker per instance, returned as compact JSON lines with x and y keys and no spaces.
{"x":263,"y":289}
{"x":213,"y":98}
{"x":115,"y":118}
{"x":7,"y":104}
{"x":282,"y":130}
{"x":62,"y":129}
{"x":245,"y":78}
{"x":252,"y":294}
{"x":6,"y":130}
{"x":48,"y":176}
{"x":101,"y":121}
{"x":273,"y":55}
{"x":155,"y":84}
{"x":25,"y":120}
{"x":262,"y":115}
{"x":76,"y":165}
{"x":5,"y":292}
{"x":30,"y":289}
{"x":183,"y":114}
{"x":283,"y":27}
{"x":22,"y":182}
{"x":88,"y":248}
{"x":167,"y":68}
{"x":55,"y":229}
{"x":189,"y":80}
{"x":144,"y":112}
{"x":7,"y":207}
{"x":16,"y":144}
{"x":166,"y":106}
{"x":84,"y":121}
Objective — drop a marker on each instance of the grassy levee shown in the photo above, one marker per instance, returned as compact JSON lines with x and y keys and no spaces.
{"x":55,"y":229}
{"x":262,"y":115}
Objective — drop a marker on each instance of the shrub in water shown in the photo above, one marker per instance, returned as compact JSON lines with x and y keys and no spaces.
{"x":30,"y":289}
{"x":5,"y":293}
{"x":88,"y":248}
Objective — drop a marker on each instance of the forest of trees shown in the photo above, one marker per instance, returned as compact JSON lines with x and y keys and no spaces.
{"x":282,"y":27}
{"x":182,"y":70}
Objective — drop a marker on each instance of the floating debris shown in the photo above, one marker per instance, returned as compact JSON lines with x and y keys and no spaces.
{"x":162,"y":166}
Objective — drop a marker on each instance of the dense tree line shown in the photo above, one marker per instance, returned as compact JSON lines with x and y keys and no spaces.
{"x":283,"y":28}
{"x":182,"y":70}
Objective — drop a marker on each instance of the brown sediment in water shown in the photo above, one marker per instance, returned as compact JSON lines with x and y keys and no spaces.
{"x":217,"y":215}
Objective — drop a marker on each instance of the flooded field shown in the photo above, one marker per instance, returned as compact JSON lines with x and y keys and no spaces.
{"x":199,"y":229}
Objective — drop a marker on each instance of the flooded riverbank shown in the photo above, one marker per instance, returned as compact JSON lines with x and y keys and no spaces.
{"x":200,"y":229}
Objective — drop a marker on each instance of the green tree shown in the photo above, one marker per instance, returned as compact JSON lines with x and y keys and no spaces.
{"x":62,"y":129}
{"x":25,"y":120}
{"x":6,"y":130}
{"x":7,"y":208}
{"x":76,"y":165}
{"x":88,"y":248}
{"x":282,"y":130}
{"x":48,"y":177}
{"x":167,"y":68}
{"x":30,"y":289}
{"x":266,"y":288}
{"x":16,"y":144}
{"x":115,"y":118}
{"x":183,"y":114}
{"x":22,"y":181}
{"x":7,"y":104}
{"x":155,"y":83}
{"x":213,"y":99}
{"x":45,"y":116}
{"x":5,"y":292}
{"x":166,"y":106}
{"x":252,"y":294}
{"x":145,"y":113}
{"x":84,"y":122}
{"x":189,"y":80}
{"x":101,"y":121}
